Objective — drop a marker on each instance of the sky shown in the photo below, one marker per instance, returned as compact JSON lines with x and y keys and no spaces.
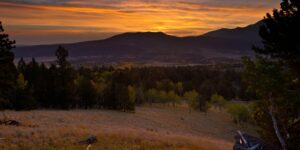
{"x":32,"y":22}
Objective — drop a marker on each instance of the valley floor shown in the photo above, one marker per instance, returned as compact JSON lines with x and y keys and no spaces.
{"x":158,"y":128}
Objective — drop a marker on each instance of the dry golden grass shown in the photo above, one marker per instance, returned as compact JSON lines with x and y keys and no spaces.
{"x":158,"y":128}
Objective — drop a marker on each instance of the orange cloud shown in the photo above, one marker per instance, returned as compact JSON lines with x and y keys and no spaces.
{"x":176,"y":18}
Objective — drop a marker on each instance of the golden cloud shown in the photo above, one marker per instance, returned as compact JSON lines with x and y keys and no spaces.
{"x":176,"y":18}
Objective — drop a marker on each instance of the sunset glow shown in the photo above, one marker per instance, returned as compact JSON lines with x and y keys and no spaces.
{"x":51,"y":21}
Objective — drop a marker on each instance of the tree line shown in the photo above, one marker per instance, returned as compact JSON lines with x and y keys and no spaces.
{"x":60,"y":86}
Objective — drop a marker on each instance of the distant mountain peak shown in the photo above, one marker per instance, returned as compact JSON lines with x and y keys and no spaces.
{"x":250,"y":31}
{"x":149,"y":47}
{"x":140,"y":34}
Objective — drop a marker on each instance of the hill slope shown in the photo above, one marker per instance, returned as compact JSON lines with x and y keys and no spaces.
{"x":150,"y":47}
{"x":162,"y":128}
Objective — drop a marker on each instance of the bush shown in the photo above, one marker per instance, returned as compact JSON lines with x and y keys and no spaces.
{"x":239,"y":112}
{"x":192,"y":98}
{"x":173,"y":98}
{"x":131,"y":98}
{"x":218,"y":101}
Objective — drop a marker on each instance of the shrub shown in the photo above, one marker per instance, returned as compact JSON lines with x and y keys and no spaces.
{"x":192,"y":98}
{"x":239,"y":112}
{"x":218,"y":101}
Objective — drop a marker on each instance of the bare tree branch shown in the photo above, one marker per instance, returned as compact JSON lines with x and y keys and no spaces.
{"x":275,"y":124}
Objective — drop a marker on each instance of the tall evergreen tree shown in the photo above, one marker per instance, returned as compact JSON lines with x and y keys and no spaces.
{"x":280,"y":34}
{"x":32,"y":73}
{"x":87,"y":93}
{"x":21,"y":65}
{"x":65,"y":88}
{"x":274,"y":76}
{"x":24,"y":99}
{"x":62,"y":55}
{"x":8,"y":72}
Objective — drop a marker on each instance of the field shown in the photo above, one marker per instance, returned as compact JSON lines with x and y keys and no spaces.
{"x":156,"y":128}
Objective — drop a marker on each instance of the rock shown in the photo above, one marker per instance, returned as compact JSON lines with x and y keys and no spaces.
{"x":89,"y":140}
{"x":10,"y":123}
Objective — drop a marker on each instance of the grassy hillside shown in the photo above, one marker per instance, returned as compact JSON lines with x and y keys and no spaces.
{"x":148,"y":128}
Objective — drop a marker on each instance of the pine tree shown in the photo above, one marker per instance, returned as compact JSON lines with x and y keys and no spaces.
{"x":87,"y":92}
{"x":8,"y":73}
{"x":65,"y":76}
{"x":24,"y":99}
{"x":62,"y":55}
{"x":280,"y":34}
{"x":274,"y":75}
{"x":21,"y":65}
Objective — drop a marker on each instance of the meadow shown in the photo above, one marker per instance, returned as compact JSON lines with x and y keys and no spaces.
{"x":150,"y":127}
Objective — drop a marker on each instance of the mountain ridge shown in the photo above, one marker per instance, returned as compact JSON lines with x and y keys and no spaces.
{"x":150,"y":47}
